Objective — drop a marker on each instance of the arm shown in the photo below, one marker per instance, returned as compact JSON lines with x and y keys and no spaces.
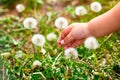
{"x":106,"y":23}
{"x":76,"y":33}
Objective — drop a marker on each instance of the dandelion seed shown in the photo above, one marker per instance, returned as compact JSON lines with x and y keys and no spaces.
{"x":30,"y":23}
{"x":38,"y":40}
{"x":20,"y":7}
{"x":51,"y":36}
{"x":37,"y":63}
{"x":96,"y":7}
{"x":71,"y":52}
{"x":80,"y":10}
{"x":61,"y":22}
{"x":91,"y":43}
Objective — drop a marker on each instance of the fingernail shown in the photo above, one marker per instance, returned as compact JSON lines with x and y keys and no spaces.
{"x":62,"y":42}
{"x":65,"y":48}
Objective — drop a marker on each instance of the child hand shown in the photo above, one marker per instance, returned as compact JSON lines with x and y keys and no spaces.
{"x":74,"y":35}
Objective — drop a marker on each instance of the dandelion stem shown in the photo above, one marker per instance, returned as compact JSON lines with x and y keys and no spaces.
{"x":3,"y":69}
{"x":40,"y":74}
{"x":95,"y":58}
{"x":35,"y":9}
{"x":66,"y":73}
{"x":32,"y":44}
{"x":56,"y":59}
{"x":106,"y":39}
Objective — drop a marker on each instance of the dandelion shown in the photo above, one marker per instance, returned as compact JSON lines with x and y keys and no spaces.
{"x":91,"y":43}
{"x":96,"y":7}
{"x":38,"y":40}
{"x":37,"y":63}
{"x":43,"y":51}
{"x":5,"y":54}
{"x":20,"y":7}
{"x":80,"y":10}
{"x":30,"y":23}
{"x":71,"y":52}
{"x":61,"y":22}
{"x":51,"y":36}
{"x":18,"y":54}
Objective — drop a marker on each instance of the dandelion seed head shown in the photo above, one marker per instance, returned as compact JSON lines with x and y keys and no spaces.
{"x":51,"y":36}
{"x":38,"y":40}
{"x":37,"y":63}
{"x":91,"y":43}
{"x":61,"y":22}
{"x":80,"y":10}
{"x":20,"y":7}
{"x":96,"y":6}
{"x":71,"y":52}
{"x":30,"y":23}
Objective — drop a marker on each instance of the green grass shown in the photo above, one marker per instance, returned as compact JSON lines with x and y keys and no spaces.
{"x":54,"y":64}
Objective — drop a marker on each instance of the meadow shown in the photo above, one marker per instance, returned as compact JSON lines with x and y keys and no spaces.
{"x":28,"y":42}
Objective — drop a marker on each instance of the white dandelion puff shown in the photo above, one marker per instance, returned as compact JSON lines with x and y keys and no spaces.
{"x":91,"y":43}
{"x":30,"y":23}
{"x":71,"y":53}
{"x":51,"y":36}
{"x":20,"y":7}
{"x":37,"y":63}
{"x":38,"y":40}
{"x":61,"y":22}
{"x":80,"y":10}
{"x":96,"y":6}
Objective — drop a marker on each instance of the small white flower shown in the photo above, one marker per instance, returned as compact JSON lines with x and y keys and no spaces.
{"x":71,"y":52}
{"x":30,"y":23}
{"x":51,"y":36}
{"x":5,"y":54}
{"x":43,"y":51}
{"x":20,"y":7}
{"x":18,"y":54}
{"x":103,"y":62}
{"x":96,"y":7}
{"x":37,"y":63}
{"x":80,"y":10}
{"x":91,"y":43}
{"x":61,"y":22}
{"x":16,"y":42}
{"x":38,"y":40}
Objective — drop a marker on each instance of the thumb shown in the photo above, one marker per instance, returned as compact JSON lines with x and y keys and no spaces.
{"x":67,"y":39}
